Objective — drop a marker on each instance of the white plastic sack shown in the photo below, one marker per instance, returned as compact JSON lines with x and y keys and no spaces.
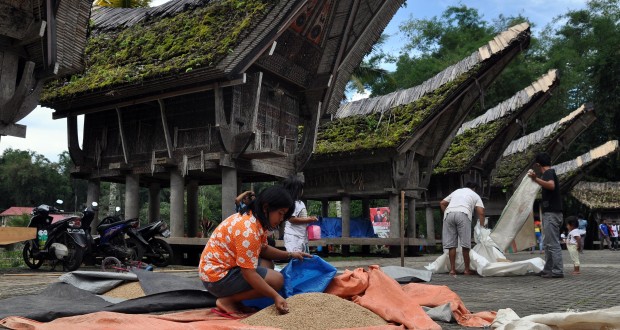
{"x":608,"y":318}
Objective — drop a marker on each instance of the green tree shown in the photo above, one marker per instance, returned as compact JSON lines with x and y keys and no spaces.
{"x":28,"y":179}
{"x":586,"y":49}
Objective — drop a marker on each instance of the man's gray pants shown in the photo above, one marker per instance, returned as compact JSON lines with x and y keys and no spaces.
{"x":552,"y":221}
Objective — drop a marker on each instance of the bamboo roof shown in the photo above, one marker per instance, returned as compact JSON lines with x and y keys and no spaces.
{"x":388,"y":121}
{"x":571,"y":172}
{"x":598,"y":195}
{"x":481,"y":139}
{"x":554,"y":139}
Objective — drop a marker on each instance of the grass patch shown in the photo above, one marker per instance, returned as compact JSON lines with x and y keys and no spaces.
{"x":11,"y":258}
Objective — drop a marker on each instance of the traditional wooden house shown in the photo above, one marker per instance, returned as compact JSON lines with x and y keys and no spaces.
{"x":572,"y":171}
{"x":480,"y":142}
{"x":197,"y":92}
{"x":379,"y":147}
{"x":601,"y":198}
{"x":39,"y":40}
{"x":554,"y":139}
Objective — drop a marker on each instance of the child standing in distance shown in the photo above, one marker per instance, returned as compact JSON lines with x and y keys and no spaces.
{"x":573,"y":242}
{"x":295,"y":234}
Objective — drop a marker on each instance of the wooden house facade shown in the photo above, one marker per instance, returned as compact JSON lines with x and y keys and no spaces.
{"x":196,"y":92}
{"x":382,"y":146}
{"x":39,"y":40}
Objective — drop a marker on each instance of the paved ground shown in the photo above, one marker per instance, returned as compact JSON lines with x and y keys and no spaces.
{"x":597,"y":287}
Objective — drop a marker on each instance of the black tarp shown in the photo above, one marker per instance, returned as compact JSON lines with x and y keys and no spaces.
{"x":164,"y":292}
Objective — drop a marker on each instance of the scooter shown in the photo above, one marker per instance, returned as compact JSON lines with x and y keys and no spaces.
{"x":62,"y":242}
{"x":111,"y":240}
{"x":154,"y":250}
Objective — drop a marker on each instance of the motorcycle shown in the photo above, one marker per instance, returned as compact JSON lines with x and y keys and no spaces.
{"x":63,"y":241}
{"x":111,"y":240}
{"x":150,"y":248}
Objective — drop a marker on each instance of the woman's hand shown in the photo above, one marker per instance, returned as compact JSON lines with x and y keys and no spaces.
{"x":281,"y":305}
{"x":299,"y":255}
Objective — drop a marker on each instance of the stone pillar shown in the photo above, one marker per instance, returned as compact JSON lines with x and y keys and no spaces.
{"x":177,"y":194}
{"x":154,"y":204}
{"x":411,"y":229}
{"x":345,"y":206}
{"x":394,"y":216}
{"x":192,"y":208}
{"x":92,"y":195}
{"x":132,"y":196}
{"x":229,"y":191}
{"x":430,"y":225}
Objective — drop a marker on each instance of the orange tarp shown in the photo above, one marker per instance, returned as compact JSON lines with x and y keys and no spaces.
{"x":381,"y":294}
{"x":371,"y":289}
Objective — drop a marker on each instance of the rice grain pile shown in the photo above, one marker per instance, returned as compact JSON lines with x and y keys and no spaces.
{"x":316,"y":311}
{"x":129,"y":290}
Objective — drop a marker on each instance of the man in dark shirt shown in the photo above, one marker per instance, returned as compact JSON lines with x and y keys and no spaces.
{"x":552,"y":214}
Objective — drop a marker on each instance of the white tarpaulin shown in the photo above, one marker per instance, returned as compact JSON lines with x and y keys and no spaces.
{"x":515,"y":214}
{"x":608,"y":318}
{"x":487,"y":257}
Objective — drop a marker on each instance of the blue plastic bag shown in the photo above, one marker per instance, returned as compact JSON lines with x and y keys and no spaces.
{"x":310,"y":275}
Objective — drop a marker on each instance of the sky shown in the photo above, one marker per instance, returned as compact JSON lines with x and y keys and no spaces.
{"x":49,"y":137}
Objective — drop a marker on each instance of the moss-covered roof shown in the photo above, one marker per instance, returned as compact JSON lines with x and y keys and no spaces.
{"x":382,"y":130}
{"x":520,"y":153}
{"x":598,"y":195}
{"x":476,"y":134}
{"x":566,"y":171}
{"x":167,"y":45}
{"x":388,"y":121}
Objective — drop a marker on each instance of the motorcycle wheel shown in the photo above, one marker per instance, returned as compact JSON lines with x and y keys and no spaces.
{"x":137,"y":247}
{"x":163,"y":251}
{"x":111,"y":264}
{"x":28,"y":254}
{"x":76,"y":253}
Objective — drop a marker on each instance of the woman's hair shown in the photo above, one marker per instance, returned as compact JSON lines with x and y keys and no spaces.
{"x":294,"y":186}
{"x":275,"y":198}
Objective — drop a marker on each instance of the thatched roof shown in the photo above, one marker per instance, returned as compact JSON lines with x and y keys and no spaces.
{"x":388,"y":121}
{"x":476,"y":138}
{"x":129,"y":46}
{"x":554,"y":139}
{"x":183,"y":44}
{"x":598,"y":195}
{"x":571,"y":172}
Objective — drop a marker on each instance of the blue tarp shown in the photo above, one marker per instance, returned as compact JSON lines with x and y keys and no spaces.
{"x":332,"y":227}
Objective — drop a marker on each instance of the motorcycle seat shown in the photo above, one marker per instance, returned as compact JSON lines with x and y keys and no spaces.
{"x":106,"y":226}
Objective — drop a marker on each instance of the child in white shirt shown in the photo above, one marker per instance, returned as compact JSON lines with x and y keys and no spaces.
{"x":295,"y":234}
{"x":573,"y":242}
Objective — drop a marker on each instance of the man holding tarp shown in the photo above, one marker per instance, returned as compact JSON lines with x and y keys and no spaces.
{"x":552,"y":214}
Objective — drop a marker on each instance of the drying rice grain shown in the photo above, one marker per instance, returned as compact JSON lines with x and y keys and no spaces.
{"x":129,"y":290}
{"x":316,"y":311}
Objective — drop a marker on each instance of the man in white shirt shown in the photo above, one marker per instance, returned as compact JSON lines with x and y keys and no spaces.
{"x":458,"y":209}
{"x":614,"y":234}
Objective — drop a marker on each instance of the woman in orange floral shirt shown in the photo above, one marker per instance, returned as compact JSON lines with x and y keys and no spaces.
{"x":229,"y":264}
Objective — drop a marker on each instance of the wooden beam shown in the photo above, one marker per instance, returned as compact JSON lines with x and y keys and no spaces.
{"x":10,"y":235}
{"x":239,"y":81}
{"x":121,"y":132}
{"x":14,"y":21}
{"x":254,"y":121}
{"x":10,"y":129}
{"x":35,"y":31}
{"x":164,"y":122}
{"x":326,"y":241}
